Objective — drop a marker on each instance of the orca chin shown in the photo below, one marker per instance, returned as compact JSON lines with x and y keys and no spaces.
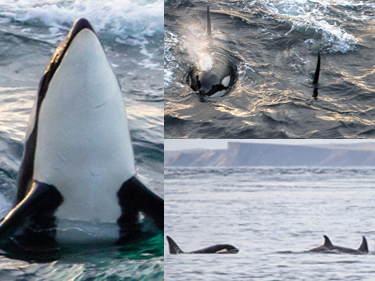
{"x":217,"y":81}
{"x":216,"y":249}
{"x":329,"y":247}
{"x":78,"y":162}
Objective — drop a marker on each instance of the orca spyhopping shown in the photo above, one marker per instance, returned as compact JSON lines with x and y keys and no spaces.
{"x":78,"y":161}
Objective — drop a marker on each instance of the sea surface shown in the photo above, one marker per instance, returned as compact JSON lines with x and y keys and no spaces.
{"x":273,"y":215}
{"x":131,"y":33}
{"x":275,"y":46}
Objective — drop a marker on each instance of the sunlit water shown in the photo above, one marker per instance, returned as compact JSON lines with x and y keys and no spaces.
{"x":273,"y":215}
{"x":131,"y":33}
{"x":275,"y":46}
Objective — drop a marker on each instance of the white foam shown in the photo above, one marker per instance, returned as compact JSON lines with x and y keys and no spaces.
{"x":124,"y":18}
{"x":305,"y":15}
{"x":204,"y":61}
{"x":168,"y":77}
{"x":170,"y":40}
{"x":196,"y":44}
{"x":148,"y":61}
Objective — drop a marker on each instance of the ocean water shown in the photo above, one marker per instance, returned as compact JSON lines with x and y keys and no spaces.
{"x":273,"y":215}
{"x":274,"y":45}
{"x":131,"y":33}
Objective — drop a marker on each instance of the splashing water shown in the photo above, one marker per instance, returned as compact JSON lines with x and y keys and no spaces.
{"x":204,"y":61}
{"x":121,"y":18}
{"x":314,"y":15}
{"x":197,"y":46}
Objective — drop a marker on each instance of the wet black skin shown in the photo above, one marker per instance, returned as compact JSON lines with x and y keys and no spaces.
{"x":210,"y":82}
{"x":328,"y":246}
{"x":215,"y":80}
{"x":316,"y":79}
{"x":216,"y":249}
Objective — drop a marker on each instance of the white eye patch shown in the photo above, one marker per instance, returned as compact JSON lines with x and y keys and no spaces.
{"x":225,"y":81}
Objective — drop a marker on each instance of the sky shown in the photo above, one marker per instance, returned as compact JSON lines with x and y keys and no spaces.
{"x":181,"y":144}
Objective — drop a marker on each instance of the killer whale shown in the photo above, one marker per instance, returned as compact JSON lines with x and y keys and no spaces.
{"x":217,"y":80}
{"x":78,"y":161}
{"x":328,"y":246}
{"x":216,"y":249}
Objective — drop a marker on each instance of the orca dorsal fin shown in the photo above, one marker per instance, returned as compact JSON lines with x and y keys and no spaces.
{"x":327,"y":242}
{"x":364,"y":246}
{"x":173,"y":247}
{"x":317,"y":71}
{"x":208,"y":22}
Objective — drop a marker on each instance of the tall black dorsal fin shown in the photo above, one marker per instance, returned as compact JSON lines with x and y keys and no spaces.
{"x":173,"y":247}
{"x":317,"y":71}
{"x":208,"y":22}
{"x":364,"y":246}
{"x":327,"y":242}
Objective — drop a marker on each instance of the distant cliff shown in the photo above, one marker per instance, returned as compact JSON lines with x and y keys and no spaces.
{"x":255,"y":154}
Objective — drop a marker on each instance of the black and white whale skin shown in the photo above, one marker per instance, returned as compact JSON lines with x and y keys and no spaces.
{"x":216,"y":81}
{"x":78,"y":161}
{"x":328,"y":246}
{"x":316,"y":78}
{"x":216,"y":249}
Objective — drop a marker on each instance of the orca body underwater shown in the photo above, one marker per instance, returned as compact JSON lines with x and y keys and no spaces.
{"x":216,"y":249}
{"x":78,"y":161}
{"x":328,"y":246}
{"x":217,"y":81}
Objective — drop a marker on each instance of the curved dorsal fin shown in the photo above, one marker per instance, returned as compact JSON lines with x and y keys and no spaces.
{"x":208,"y":22}
{"x":173,"y":247}
{"x":364,"y":246}
{"x":327,"y":242}
{"x":317,"y":71}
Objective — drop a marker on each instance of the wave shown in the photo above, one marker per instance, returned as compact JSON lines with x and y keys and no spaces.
{"x":130,"y":21}
{"x":235,"y":172}
{"x":325,"y":18}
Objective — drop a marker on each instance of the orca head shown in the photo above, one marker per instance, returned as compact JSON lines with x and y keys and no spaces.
{"x":78,"y":138}
{"x":233,"y":250}
{"x":215,"y":82}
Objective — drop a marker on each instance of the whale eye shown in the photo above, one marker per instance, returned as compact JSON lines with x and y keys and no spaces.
{"x":225,"y":81}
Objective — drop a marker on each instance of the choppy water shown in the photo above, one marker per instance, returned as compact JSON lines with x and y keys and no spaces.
{"x":132,"y":35}
{"x":273,"y":215}
{"x":275,"y":44}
